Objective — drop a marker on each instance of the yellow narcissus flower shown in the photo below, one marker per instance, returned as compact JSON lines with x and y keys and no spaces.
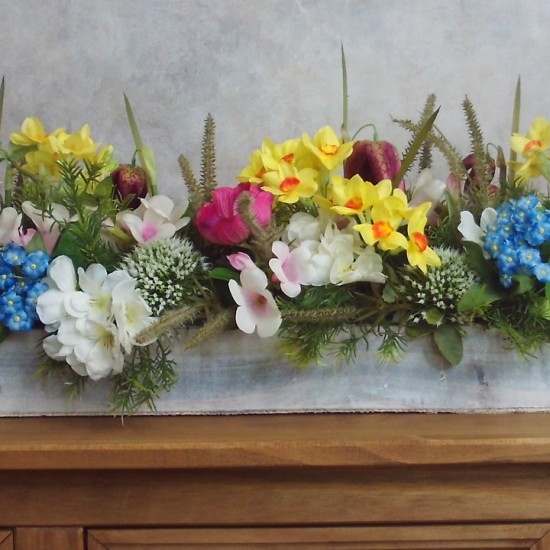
{"x":419,"y":253}
{"x":386,"y":218}
{"x":353,"y":196}
{"x":328,"y":148}
{"x":255,"y":171}
{"x":79,"y":144}
{"x":32,"y":133}
{"x":533,"y":148}
{"x":290,"y":184}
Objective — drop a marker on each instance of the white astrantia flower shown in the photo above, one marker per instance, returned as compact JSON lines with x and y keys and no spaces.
{"x":257,"y":309}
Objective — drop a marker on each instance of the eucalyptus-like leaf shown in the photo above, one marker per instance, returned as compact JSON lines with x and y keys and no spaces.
{"x":224,"y":274}
{"x":485,"y":269}
{"x":479,"y":297}
{"x":448,"y":340}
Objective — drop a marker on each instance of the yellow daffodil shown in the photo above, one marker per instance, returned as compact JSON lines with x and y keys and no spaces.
{"x":79,"y":144}
{"x":290,"y":184}
{"x":419,"y":253}
{"x":32,"y":133}
{"x":533,"y":148}
{"x":353,"y":196}
{"x":386,"y":219}
{"x":255,"y":171}
{"x":328,"y":148}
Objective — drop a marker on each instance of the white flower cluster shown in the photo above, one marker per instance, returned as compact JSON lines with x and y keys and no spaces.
{"x":163,"y":270}
{"x":94,"y":317}
{"x":335,"y":255}
{"x":442,"y":288}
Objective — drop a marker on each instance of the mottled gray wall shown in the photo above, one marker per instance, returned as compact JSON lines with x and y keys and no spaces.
{"x":267,"y":67}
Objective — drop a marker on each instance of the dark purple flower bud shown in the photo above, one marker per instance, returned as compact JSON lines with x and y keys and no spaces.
{"x":374,"y":161}
{"x":130,"y":180}
{"x":471,"y":178}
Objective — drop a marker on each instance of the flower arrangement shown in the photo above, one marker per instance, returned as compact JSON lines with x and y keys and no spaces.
{"x":323,"y":241}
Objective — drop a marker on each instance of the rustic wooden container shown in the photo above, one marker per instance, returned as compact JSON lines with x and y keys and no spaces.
{"x":235,"y":373}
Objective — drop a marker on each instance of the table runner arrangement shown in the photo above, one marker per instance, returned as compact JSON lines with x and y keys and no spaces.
{"x":326,"y":244}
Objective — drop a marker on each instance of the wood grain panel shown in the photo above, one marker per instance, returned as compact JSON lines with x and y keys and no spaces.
{"x":280,"y":497}
{"x":52,"y":538}
{"x":6,"y":540}
{"x":426,"y":537}
{"x":336,"y":440}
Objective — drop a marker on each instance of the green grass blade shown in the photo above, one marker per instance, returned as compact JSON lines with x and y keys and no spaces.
{"x":345,"y":134}
{"x":145,"y":153}
{"x":515,"y":125}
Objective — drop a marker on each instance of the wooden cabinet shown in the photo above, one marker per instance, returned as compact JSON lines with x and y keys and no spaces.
{"x":338,"y":481}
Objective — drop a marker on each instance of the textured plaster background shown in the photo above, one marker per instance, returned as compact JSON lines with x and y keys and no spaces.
{"x":267,"y":67}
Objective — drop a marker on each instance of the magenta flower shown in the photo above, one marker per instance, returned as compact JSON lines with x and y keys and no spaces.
{"x":219,"y":221}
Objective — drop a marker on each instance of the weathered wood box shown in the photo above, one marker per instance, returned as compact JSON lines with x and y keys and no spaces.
{"x":235,"y":373}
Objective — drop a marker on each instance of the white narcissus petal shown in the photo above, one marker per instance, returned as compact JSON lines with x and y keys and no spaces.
{"x":10,"y":221}
{"x":488,"y":217}
{"x":469,"y":228}
{"x":50,"y":306}
{"x":61,"y":272}
{"x":77,"y":304}
{"x":91,"y":280}
{"x":427,"y":189}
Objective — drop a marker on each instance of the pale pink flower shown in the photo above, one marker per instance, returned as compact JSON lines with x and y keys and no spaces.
{"x":240,"y":261}
{"x":48,"y":223}
{"x":155,"y":219}
{"x":11,"y":230}
{"x":292,"y":268}
{"x":257,"y":308}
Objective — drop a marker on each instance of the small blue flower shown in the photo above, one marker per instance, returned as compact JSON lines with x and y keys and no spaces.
{"x":18,"y":321}
{"x":33,"y":292}
{"x":542,"y":272}
{"x":21,"y":285}
{"x":7,"y":280}
{"x":529,"y":257}
{"x":13,"y":254}
{"x":36,"y":264}
{"x":10,"y":303}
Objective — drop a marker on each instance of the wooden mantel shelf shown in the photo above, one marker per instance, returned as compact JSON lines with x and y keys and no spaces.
{"x":250,"y":441}
{"x":338,"y":481}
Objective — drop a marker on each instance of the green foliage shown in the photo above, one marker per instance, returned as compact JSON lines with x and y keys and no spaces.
{"x":148,"y":372}
{"x":448,"y":339}
{"x":200,"y":190}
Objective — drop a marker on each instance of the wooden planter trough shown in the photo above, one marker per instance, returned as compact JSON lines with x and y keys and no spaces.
{"x":235,"y":373}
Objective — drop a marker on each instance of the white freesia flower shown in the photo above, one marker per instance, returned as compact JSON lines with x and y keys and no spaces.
{"x":132,"y":315}
{"x":10,"y":228}
{"x":303,"y":227}
{"x":63,"y":297}
{"x":257,"y":308}
{"x":469,"y":229}
{"x":155,"y":219}
{"x":427,"y":189}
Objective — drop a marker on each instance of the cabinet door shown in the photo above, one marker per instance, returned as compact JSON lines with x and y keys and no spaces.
{"x":6,"y":540}
{"x":426,"y":537}
{"x":49,"y":538}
